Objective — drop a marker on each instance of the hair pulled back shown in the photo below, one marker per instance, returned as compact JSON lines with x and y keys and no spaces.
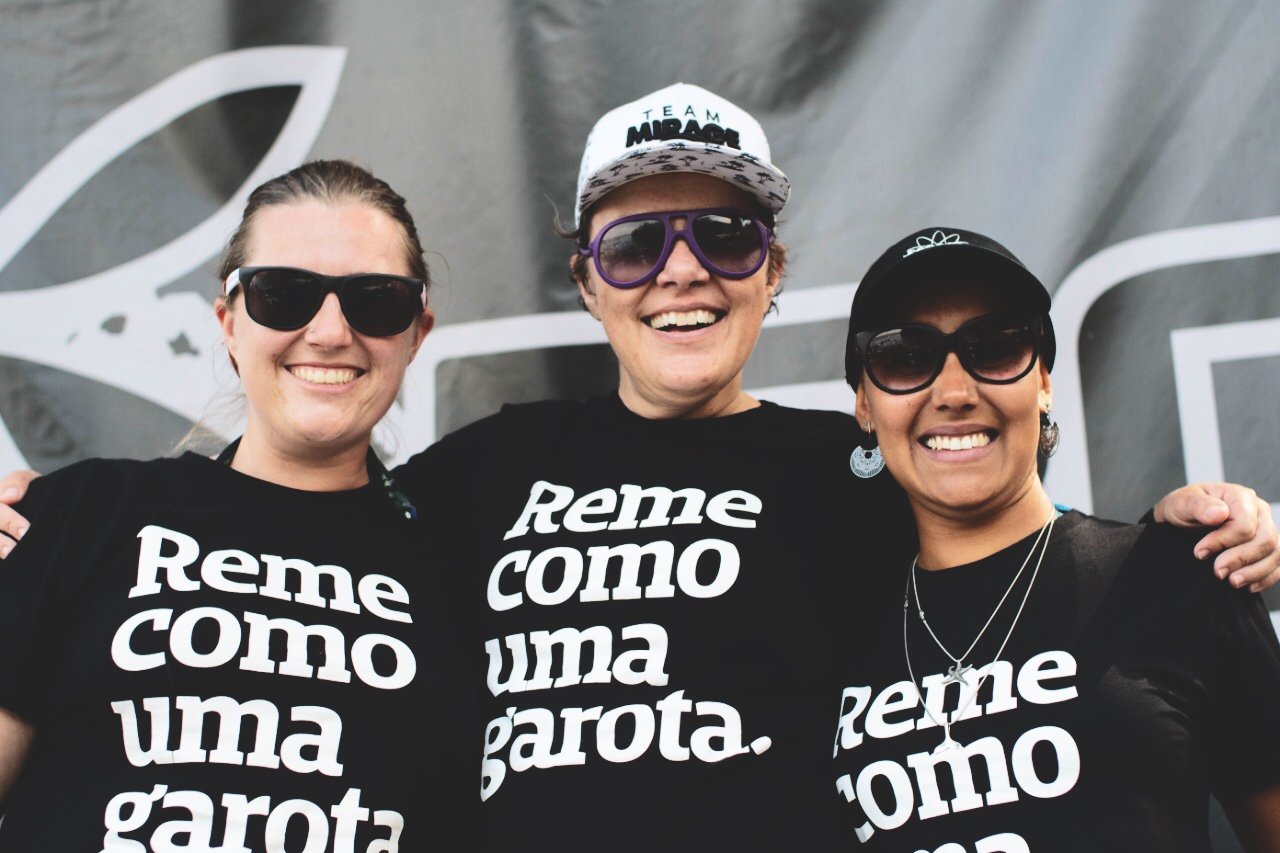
{"x":332,"y":182}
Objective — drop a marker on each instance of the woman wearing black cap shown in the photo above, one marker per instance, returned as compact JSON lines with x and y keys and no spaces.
{"x":1045,"y":680}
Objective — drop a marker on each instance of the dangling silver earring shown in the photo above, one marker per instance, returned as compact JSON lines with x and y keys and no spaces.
{"x":1048,"y":435}
{"x":866,"y":462}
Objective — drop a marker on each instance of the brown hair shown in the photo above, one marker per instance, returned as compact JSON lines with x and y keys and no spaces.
{"x":330,"y":181}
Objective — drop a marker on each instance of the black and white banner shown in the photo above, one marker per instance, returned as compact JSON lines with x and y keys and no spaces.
{"x":1125,"y":151}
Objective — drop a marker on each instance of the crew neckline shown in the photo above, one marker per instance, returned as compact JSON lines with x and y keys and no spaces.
{"x":998,"y":562}
{"x":217,"y":474}
{"x":616,"y":408}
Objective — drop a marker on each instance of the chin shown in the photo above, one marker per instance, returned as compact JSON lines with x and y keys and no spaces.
{"x":318,"y":436}
{"x":697,"y":381}
{"x":959,"y":497}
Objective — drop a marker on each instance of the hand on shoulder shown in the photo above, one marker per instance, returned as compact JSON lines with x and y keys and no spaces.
{"x":1244,"y":534}
{"x":13,"y":525}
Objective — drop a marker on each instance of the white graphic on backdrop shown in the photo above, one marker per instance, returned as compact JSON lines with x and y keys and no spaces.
{"x":1068,"y":478}
{"x":61,"y":325}
{"x":1195,"y":352}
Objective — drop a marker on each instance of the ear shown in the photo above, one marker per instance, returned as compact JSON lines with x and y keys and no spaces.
{"x":1046,"y":390}
{"x":584,"y":288}
{"x":776,"y":264}
{"x":425,"y":323}
{"x":862,"y":409}
{"x":227,"y":320}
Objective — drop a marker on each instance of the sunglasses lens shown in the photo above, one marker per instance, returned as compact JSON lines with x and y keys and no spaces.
{"x":730,"y":243}
{"x":380,"y":305}
{"x":282,"y":299}
{"x":903,"y":359}
{"x":1000,"y":350}
{"x":628,"y":252}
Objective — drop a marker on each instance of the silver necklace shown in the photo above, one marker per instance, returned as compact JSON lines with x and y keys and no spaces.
{"x":958,"y":670}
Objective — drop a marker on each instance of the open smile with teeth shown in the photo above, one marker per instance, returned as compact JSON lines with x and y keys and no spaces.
{"x":683,"y":321}
{"x":957,"y":442}
{"x":325,"y":375}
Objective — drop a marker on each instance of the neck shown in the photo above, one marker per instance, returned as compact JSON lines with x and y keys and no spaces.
{"x":729,"y":400}
{"x":328,"y":471}
{"x":950,"y":538}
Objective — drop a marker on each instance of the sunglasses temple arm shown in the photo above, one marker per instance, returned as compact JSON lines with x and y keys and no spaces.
{"x":232,"y":282}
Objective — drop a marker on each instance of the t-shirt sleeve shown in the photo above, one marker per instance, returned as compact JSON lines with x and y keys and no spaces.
{"x":1246,"y":755}
{"x":34,"y":582}
{"x":446,"y":481}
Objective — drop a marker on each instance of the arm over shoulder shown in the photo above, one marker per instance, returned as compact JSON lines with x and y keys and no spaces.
{"x":1245,"y":752}
{"x":69,"y":510}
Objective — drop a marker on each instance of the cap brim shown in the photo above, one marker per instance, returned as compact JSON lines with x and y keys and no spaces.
{"x":960,"y":264}
{"x":763,"y":181}
{"x":892,"y":293}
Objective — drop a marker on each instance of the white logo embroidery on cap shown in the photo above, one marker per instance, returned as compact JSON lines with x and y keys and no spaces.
{"x":934,"y":240}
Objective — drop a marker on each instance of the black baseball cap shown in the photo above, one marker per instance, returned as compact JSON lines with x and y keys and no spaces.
{"x":940,"y":254}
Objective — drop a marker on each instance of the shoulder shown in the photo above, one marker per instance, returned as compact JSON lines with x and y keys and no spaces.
{"x":460,"y":459}
{"x":816,"y":420}
{"x":1109,"y":539}
{"x":1156,"y":558}
{"x":102,"y":482}
{"x":525,"y":420}
{"x":479,"y":437}
{"x":77,"y":506}
{"x":1088,"y":534}
{"x":820,"y":441}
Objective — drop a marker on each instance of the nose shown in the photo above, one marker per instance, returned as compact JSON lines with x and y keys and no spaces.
{"x":954,"y":388}
{"x":329,"y":329}
{"x":682,"y":266}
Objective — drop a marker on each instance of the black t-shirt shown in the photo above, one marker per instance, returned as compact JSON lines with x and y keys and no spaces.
{"x":211,"y":661}
{"x":1132,"y":683}
{"x":653,"y":603}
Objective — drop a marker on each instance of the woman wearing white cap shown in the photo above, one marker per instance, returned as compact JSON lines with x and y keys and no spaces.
{"x":648,"y":581}
{"x":660,"y":572}
{"x":1045,"y":680}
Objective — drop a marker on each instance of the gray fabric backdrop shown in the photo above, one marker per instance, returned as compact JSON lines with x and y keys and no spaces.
{"x":1126,"y":151}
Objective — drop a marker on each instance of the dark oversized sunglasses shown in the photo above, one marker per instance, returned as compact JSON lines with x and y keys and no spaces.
{"x":631,"y":250}
{"x":992,"y":348}
{"x":286,"y":298}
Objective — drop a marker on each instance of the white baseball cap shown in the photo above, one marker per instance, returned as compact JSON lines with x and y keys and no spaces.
{"x":681,"y":128}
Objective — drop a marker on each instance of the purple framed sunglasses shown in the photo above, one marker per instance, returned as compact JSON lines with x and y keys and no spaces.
{"x":729,"y":243}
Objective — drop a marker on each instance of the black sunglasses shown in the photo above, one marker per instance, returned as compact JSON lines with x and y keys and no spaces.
{"x":287,"y":298}
{"x":992,"y":348}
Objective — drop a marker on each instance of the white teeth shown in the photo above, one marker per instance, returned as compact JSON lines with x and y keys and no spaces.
{"x":957,"y":442}
{"x":324,"y":375}
{"x":682,"y":318}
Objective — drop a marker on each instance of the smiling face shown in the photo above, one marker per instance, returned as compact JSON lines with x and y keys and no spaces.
{"x":960,"y":448}
{"x":320,"y":390}
{"x":682,"y":338}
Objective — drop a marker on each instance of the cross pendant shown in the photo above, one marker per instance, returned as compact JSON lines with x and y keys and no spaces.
{"x":948,"y":742}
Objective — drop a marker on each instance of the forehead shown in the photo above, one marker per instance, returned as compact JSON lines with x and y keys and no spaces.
{"x":947,"y":304}
{"x":675,"y":191}
{"x":335,"y":239}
